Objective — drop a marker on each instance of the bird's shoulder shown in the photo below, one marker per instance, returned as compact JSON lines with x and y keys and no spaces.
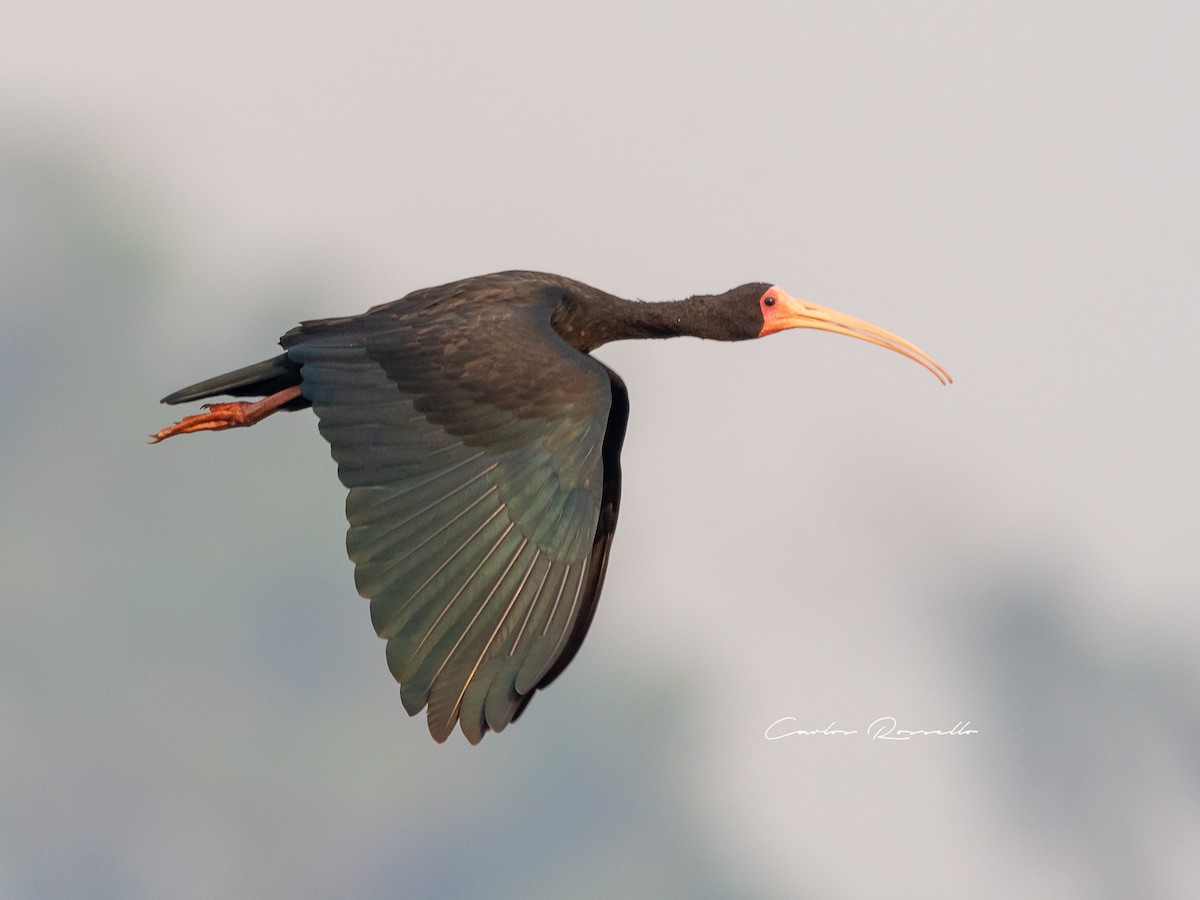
{"x":488,"y":338}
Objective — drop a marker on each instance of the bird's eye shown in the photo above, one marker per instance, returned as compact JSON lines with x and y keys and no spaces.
{"x":769,"y":300}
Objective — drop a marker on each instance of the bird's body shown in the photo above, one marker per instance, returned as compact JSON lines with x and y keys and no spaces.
{"x":480,"y":443}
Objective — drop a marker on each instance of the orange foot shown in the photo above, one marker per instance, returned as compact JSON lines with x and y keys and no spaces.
{"x":228,"y":415}
{"x":218,"y":417}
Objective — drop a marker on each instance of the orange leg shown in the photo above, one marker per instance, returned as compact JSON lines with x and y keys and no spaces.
{"x":229,"y":415}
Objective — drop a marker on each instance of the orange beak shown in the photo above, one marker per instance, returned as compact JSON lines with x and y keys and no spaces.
{"x":788,"y":312}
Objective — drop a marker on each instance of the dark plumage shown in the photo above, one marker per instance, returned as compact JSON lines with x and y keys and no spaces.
{"x":481,"y":447}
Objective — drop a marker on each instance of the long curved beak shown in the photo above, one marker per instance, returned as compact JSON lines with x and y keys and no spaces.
{"x":789,"y":312}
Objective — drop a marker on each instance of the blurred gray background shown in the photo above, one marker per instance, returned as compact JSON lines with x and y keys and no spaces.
{"x":192,"y":702}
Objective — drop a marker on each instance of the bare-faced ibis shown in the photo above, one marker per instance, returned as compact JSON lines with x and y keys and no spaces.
{"x":481,"y":446}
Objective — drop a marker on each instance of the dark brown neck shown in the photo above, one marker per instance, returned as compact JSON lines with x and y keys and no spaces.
{"x":589,"y":320}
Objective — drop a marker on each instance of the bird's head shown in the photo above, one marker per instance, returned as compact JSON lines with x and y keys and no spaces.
{"x":781,"y":311}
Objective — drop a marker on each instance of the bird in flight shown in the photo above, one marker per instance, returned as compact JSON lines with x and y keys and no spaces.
{"x":480,"y":443}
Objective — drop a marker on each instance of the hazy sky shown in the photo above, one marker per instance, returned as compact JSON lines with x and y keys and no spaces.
{"x":191,"y":700}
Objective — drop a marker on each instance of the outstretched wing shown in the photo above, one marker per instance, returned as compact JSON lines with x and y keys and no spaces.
{"x":484,"y":484}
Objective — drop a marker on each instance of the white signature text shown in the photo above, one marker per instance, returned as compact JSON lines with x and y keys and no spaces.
{"x":885,"y":728}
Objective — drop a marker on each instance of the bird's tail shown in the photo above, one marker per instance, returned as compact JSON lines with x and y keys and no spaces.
{"x":259,"y":380}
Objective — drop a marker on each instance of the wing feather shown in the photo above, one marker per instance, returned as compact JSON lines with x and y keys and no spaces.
{"x":473,"y":512}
